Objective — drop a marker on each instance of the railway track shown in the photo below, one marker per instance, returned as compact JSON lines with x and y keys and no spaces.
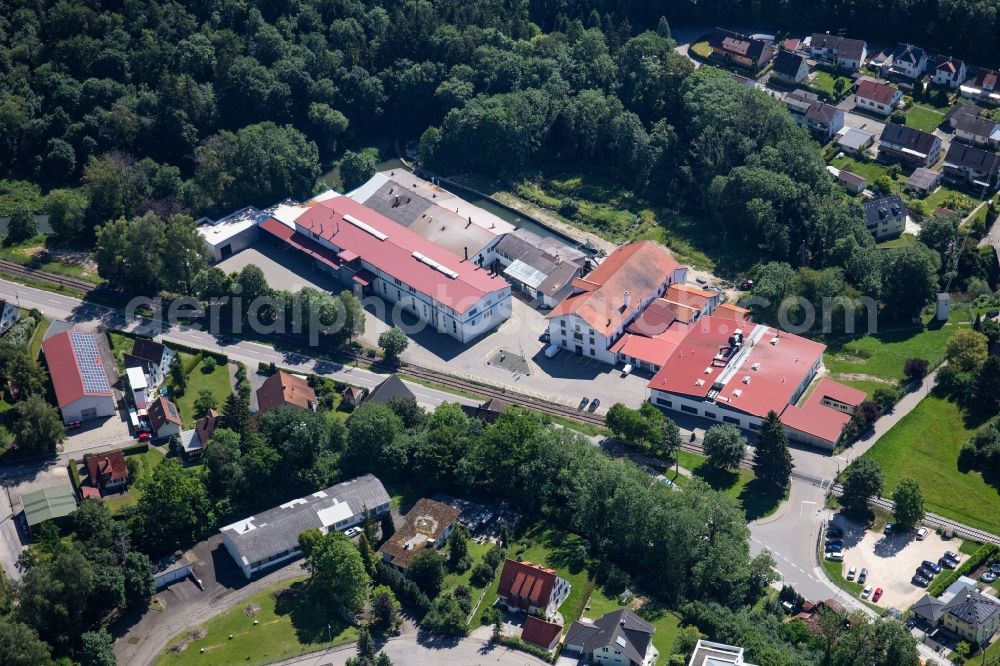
{"x":44,"y":276}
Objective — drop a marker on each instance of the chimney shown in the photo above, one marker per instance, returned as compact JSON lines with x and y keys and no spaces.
{"x":627,"y":300}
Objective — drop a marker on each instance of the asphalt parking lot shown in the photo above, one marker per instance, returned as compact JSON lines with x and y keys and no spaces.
{"x":891,"y":560}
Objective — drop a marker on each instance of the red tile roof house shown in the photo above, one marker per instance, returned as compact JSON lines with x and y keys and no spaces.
{"x":82,"y":387}
{"x":282,"y":389}
{"x":108,"y":472}
{"x":164,"y":418}
{"x":540,"y":633}
{"x":737,"y":372}
{"x":528,"y":587}
{"x":877,"y":97}
{"x":604,"y":303}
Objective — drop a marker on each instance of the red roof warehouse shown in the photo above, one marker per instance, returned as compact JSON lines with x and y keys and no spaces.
{"x":736,"y":372}
{"x":79,"y":377}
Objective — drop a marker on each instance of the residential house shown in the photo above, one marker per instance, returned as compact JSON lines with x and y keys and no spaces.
{"x":854,"y":141}
{"x":540,"y":633}
{"x":824,"y":120}
{"x":984,"y":87}
{"x":978,"y":130}
{"x":885,"y":217}
{"x":531,"y":588}
{"x":285,"y":390}
{"x":428,"y":525}
{"x":618,"y":637}
{"x":193,"y":441}
{"x":154,"y":359}
{"x":707,"y":653}
{"x":592,"y":318}
{"x":876,"y":97}
{"x":8,"y":315}
{"x":968,"y":165}
{"x":79,"y":363}
{"x":906,"y":61}
{"x":107,"y":471}
{"x":849,"y":54}
{"x":852,"y":182}
{"x":950,"y":72}
{"x":960,"y":110}
{"x":900,"y":143}
{"x":739,"y":49}
{"x":164,"y":419}
{"x":972,"y":615}
{"x":392,"y":387}
{"x":271,"y":537}
{"x":352,"y":395}
{"x":923,"y":181}
{"x":789,"y":68}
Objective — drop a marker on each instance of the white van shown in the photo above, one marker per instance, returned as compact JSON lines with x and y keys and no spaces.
{"x":551,"y":351}
{"x":835,"y":557}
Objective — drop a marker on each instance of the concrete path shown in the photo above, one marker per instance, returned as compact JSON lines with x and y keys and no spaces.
{"x":410,"y":651}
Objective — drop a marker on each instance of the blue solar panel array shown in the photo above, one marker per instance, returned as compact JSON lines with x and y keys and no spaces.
{"x":88,"y":360}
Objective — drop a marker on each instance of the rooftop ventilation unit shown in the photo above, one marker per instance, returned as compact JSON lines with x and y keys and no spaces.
{"x":755,"y":366}
{"x":746,"y":379}
{"x":708,"y":371}
{"x":699,"y":382}
{"x":365,"y":227}
{"x":737,"y":393}
{"x":435,"y":265}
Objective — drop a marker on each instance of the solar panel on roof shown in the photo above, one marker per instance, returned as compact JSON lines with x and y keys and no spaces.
{"x":88,"y":362}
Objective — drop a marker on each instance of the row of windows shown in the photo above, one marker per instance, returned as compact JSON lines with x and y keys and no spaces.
{"x":688,"y":409}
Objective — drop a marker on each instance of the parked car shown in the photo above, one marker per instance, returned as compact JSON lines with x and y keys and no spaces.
{"x":851,"y":573}
{"x":867,"y":592}
{"x":831,"y":542}
{"x":835,"y":547}
{"x":919,"y":580}
{"x":951,"y":555}
{"x":834,"y":531}
{"x":594,"y":404}
{"x":544,"y":337}
{"x":144,"y":437}
{"x":74,"y":425}
{"x":834,"y":556}
{"x":921,"y":534}
{"x":353,"y":532}
{"x":888,"y":528}
{"x":911,"y":623}
{"x":995,"y":568}
{"x":627,"y":370}
{"x":877,"y":594}
{"x":948,"y":563}
{"x":926,"y":572}
{"x":701,"y":280}
{"x":988,"y":577}
{"x":933,"y":566}
{"x":551,"y":351}
{"x":863,"y":576}
{"x":993,"y":313}
{"x":746,"y":284}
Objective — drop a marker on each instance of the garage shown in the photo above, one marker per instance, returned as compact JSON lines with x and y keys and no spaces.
{"x":89,"y":413}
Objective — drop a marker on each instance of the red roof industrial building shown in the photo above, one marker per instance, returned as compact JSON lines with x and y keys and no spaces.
{"x":737,"y":372}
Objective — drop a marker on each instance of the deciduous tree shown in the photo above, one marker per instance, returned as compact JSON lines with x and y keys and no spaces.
{"x":37,"y":426}
{"x":909,"y":503}
{"x":725,"y":446}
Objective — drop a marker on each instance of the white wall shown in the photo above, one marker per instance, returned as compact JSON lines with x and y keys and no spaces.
{"x":105,"y":406}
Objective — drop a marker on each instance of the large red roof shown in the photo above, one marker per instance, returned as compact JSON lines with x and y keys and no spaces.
{"x":874,"y":90}
{"x":653,"y":349}
{"x":111,"y":463}
{"x":394,"y":250}
{"x":68,"y":369}
{"x":599,"y":298}
{"x":815,"y":418}
{"x":523,"y":584}
{"x":776,"y":365}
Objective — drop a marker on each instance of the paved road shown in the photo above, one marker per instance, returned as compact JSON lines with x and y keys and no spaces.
{"x":409,"y":651}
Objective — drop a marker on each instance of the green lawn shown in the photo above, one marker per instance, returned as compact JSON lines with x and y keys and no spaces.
{"x":290,"y":622}
{"x":216,"y":381}
{"x":148,"y":461}
{"x":27,"y":254}
{"x":35,"y":346}
{"x":868,"y":170}
{"x":862,"y":385}
{"x":454,"y":579}
{"x":835,"y":571}
{"x":883,"y":354}
{"x":825,"y":81}
{"x":900,"y":241}
{"x":923,"y":118}
{"x":120,"y":345}
{"x":945,"y":197}
{"x":701,"y":49}
{"x":925,"y":446}
{"x":742,"y":485}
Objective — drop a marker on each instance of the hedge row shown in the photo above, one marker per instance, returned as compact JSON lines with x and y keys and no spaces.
{"x":74,"y":477}
{"x":193,"y":363}
{"x":516,"y":643}
{"x":976,"y":560}
{"x":137,"y":448}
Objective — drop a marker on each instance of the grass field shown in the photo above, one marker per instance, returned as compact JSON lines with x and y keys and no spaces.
{"x":35,"y":346}
{"x":290,"y":622}
{"x":454,"y":579}
{"x":701,"y":49}
{"x":742,"y":485}
{"x":148,"y":461}
{"x":216,"y":381}
{"x":27,"y":253}
{"x":883,"y":354}
{"x":868,"y":170}
{"x":945,"y":197}
{"x":925,"y":446}
{"x":825,"y":81}
{"x":923,"y":118}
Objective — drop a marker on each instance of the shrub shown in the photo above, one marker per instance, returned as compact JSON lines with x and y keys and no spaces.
{"x":208,"y":365}
{"x":74,"y":475}
{"x":482,"y":575}
{"x":886,"y":396}
{"x":406,"y":590}
{"x":569,"y":208}
{"x":517,"y":644}
{"x":915,"y":368}
{"x":192,"y":363}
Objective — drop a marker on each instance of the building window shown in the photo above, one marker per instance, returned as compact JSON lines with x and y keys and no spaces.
{"x":689,"y":409}
{"x":562,"y":323}
{"x":473,"y":311}
{"x":754,"y":426}
{"x":664,"y":402}
{"x":710,"y":415}
{"x":454,"y":327}
{"x":398,"y":283}
{"x":731,"y":419}
{"x":592,"y":352}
